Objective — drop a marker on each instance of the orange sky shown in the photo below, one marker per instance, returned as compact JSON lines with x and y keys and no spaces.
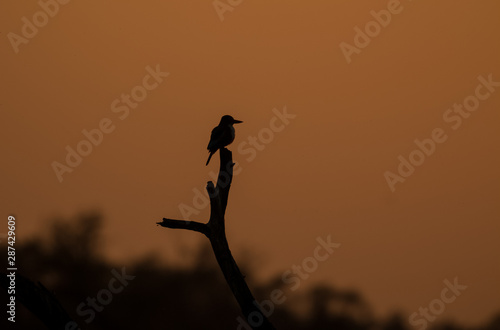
{"x":323,"y":174}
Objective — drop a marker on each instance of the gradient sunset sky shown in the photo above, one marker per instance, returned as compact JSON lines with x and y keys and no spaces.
{"x":320,"y":174}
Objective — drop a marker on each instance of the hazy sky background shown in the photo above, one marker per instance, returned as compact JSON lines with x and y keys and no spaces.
{"x":321,"y":175}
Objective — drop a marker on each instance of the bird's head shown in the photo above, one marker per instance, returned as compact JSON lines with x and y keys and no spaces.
{"x":229,"y":120}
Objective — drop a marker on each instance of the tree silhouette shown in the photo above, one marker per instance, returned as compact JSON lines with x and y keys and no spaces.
{"x":67,"y":259}
{"x":216,"y":233}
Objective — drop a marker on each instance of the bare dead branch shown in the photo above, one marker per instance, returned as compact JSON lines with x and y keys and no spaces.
{"x":182,"y":224}
{"x":216,"y":233}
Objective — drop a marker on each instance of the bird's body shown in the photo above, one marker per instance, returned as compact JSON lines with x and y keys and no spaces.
{"x":222,"y":135}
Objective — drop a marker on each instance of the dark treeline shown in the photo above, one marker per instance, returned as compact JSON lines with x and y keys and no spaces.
{"x":68,"y":262}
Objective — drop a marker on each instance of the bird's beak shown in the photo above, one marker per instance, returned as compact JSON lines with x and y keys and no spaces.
{"x":237,"y":121}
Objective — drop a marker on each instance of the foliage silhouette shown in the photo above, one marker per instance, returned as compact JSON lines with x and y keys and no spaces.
{"x":68,"y":262}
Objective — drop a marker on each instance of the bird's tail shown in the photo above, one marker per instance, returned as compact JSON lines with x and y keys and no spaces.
{"x":209,"y":157}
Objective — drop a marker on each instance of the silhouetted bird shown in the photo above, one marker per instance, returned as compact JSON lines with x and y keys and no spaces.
{"x":222,"y":135}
